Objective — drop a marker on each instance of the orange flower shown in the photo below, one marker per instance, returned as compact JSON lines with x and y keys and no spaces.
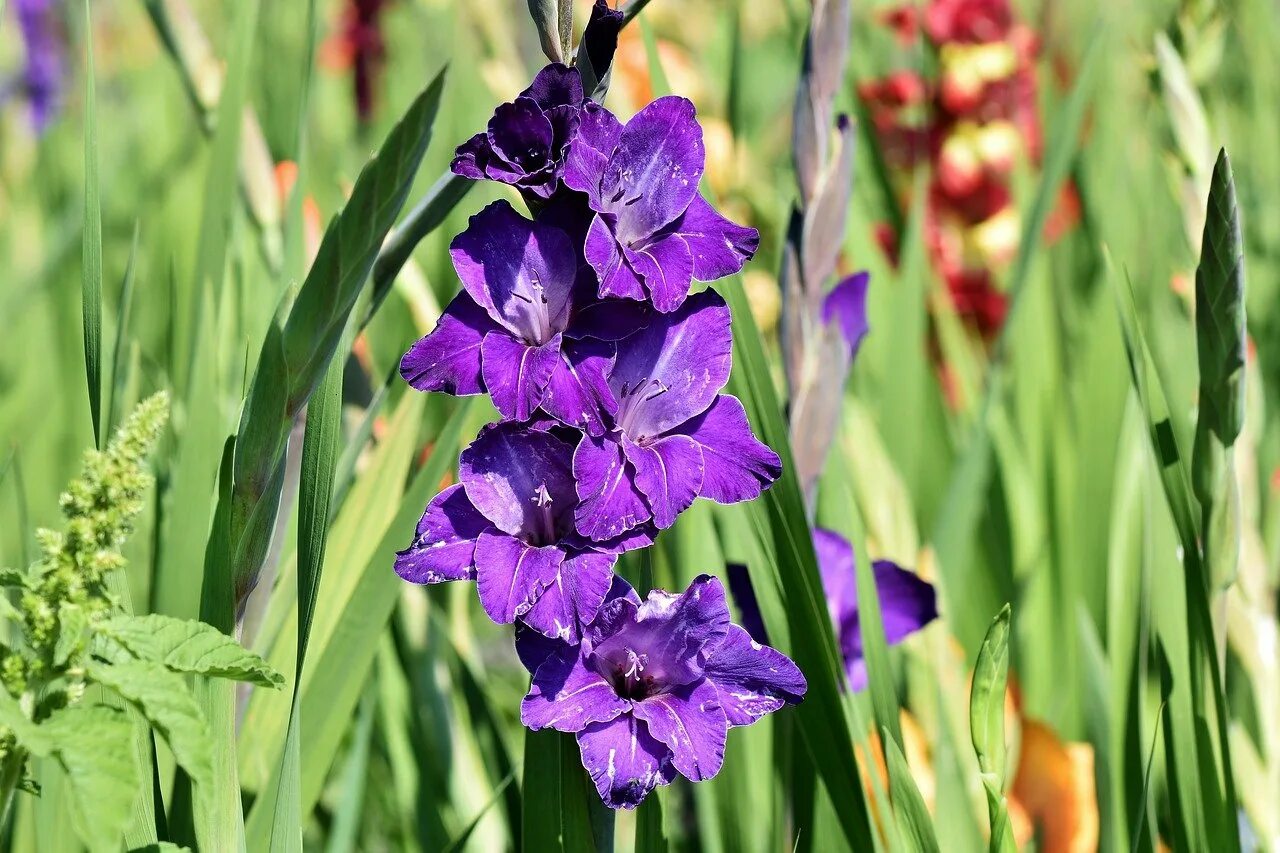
{"x":1053,"y":795}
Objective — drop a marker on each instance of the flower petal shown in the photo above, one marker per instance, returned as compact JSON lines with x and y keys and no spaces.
{"x":597,"y":136}
{"x":574,"y":597}
{"x":609,"y":504}
{"x":468,"y":159}
{"x":567,"y":695}
{"x":505,"y":471}
{"x":617,"y":278}
{"x":517,"y":374}
{"x":555,"y":85}
{"x":752,"y":679}
{"x":907,"y":601}
{"x":533,"y":648}
{"x":511,"y":575}
{"x":448,"y":359}
{"x":835,"y":564}
{"x":737,"y":466}
{"x":521,"y":272}
{"x":669,"y":473}
{"x":673,"y":368}
{"x":666,"y":266}
{"x":521,"y":136}
{"x":719,"y":247}
{"x":445,"y":541}
{"x":668,"y":634}
{"x":578,"y":392}
{"x":846,"y":306}
{"x":624,"y":761}
{"x":691,"y":722}
{"x":654,"y":173}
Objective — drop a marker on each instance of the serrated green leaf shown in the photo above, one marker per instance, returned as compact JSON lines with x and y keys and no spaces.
{"x":191,"y":647}
{"x":13,"y":577}
{"x":94,"y":746}
{"x":163,"y":697}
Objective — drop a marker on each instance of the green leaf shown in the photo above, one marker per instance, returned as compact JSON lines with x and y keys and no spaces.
{"x":908,"y":805}
{"x":319,"y":461}
{"x":119,"y":373}
{"x":93,"y":744}
{"x":91,"y":270}
{"x":163,"y":697}
{"x":649,"y":834}
{"x":289,"y":371}
{"x":190,"y":647}
{"x":786,"y":580}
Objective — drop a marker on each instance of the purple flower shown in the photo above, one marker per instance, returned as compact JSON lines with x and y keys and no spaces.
{"x":526,"y":140}
{"x":527,"y":326}
{"x":43,"y":72}
{"x":508,"y":525}
{"x":907,"y":603}
{"x":845,"y":309}
{"x":652,"y":233}
{"x":654,"y":687}
{"x":674,"y":437}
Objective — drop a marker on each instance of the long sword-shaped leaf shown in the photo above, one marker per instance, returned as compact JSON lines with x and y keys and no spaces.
{"x":790,"y":589}
{"x":91,"y":271}
{"x":291,"y":367}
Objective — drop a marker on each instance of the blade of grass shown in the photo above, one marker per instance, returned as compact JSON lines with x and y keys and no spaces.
{"x":319,"y":461}
{"x":344,"y":833}
{"x":789,"y":588}
{"x":908,"y":806}
{"x":91,"y":269}
{"x":119,"y":374}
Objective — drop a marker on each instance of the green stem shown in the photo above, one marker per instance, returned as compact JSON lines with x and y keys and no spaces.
{"x":10,"y":775}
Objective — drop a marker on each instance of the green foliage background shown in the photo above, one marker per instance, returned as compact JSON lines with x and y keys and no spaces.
{"x":1056,"y":474}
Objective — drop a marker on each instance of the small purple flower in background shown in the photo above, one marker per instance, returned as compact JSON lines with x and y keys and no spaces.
{"x":675,"y":437}
{"x":526,"y":140}
{"x":527,"y":326}
{"x":653,"y":233}
{"x":42,"y":74}
{"x":829,"y":341}
{"x":508,"y":525}
{"x":907,"y":603}
{"x":654,"y":687}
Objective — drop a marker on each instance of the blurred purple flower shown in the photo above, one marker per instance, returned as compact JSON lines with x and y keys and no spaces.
{"x":527,"y":326}
{"x":42,"y":74}
{"x":526,"y":141}
{"x":674,"y":436}
{"x":508,"y":525}
{"x":907,"y":603}
{"x":654,"y":687}
{"x":653,"y":233}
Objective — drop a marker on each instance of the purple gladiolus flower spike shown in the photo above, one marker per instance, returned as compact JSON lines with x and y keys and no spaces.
{"x":652,"y":233}
{"x":907,"y":603}
{"x":526,"y":140}
{"x":654,"y":687}
{"x":675,"y":437}
{"x":527,"y":326}
{"x":845,"y":307}
{"x":508,"y":525}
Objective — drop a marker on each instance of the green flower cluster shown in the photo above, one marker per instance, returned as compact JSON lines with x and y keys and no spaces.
{"x":69,"y":587}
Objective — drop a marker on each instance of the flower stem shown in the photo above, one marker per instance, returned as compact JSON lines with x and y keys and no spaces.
{"x":10,"y":775}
